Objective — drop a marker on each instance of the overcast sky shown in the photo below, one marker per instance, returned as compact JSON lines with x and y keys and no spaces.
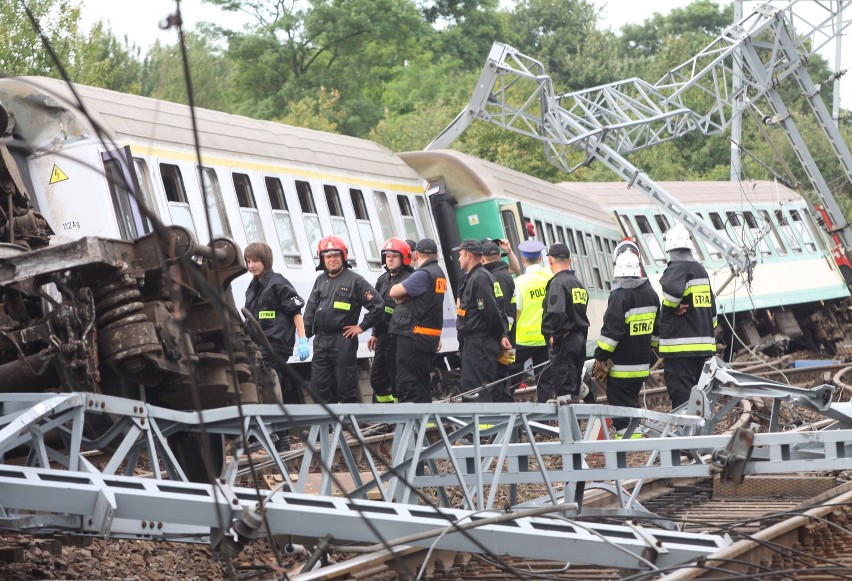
{"x":139,"y":21}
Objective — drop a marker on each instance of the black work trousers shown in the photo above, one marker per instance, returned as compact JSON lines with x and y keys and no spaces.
{"x":623,"y":392}
{"x":413,"y":371}
{"x":383,"y":370}
{"x":524,"y":352}
{"x":479,"y":364}
{"x":562,"y":376}
{"x":334,"y":370}
{"x":681,"y":374}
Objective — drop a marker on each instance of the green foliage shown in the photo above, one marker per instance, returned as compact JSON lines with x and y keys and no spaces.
{"x":22,"y":51}
{"x":102,"y":60}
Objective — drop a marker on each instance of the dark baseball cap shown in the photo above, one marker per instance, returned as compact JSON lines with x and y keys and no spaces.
{"x":471,"y":245}
{"x":559,"y":250}
{"x":489,"y":247}
{"x":427,"y":246}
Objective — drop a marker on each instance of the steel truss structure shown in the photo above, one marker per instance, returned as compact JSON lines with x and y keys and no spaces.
{"x":745,"y":64}
{"x":126,"y":481}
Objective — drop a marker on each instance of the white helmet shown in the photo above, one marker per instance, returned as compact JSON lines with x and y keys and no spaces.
{"x":624,"y":246}
{"x":627,"y":264}
{"x":678,"y":237}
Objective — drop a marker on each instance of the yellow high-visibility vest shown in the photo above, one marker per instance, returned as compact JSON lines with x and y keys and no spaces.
{"x":530,"y":287}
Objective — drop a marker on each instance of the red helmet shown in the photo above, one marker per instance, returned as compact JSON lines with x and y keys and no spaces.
{"x":401,"y":247}
{"x":332,"y":244}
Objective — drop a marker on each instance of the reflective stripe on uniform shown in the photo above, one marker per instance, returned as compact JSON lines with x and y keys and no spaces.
{"x":389,"y":310}
{"x":342,"y":306}
{"x":266,"y":314}
{"x":687,"y":344}
{"x":670,"y":300}
{"x":629,"y":371}
{"x":699,"y":288}
{"x":607,"y":344}
{"x":461,"y":312}
{"x":385,"y":398}
{"x":426,"y":331}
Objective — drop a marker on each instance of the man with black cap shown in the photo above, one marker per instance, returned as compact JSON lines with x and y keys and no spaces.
{"x":529,"y":296}
{"x":481,"y":327}
{"x":504,"y":292}
{"x":417,"y":323}
{"x":565,"y":327}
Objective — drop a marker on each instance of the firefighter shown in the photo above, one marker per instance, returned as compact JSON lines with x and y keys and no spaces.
{"x":331,"y":317}
{"x":417,"y":323}
{"x":277,"y":307}
{"x":565,"y":326}
{"x":396,"y":258}
{"x":687,"y":318}
{"x":529,"y":296}
{"x":481,"y":328}
{"x":504,"y":292}
{"x":623,"y":354}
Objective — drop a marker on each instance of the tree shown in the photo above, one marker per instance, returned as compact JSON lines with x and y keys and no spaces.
{"x":22,"y":52}
{"x":102,"y":60}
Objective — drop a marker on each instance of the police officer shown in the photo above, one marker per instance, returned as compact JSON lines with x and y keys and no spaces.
{"x":529,"y":295}
{"x":417,"y":323}
{"x":331,"y":316}
{"x":275,"y":304}
{"x":565,"y":326}
{"x":623,"y":354}
{"x":687,"y":317}
{"x":504,"y":292}
{"x":480,"y":325}
{"x":396,"y":258}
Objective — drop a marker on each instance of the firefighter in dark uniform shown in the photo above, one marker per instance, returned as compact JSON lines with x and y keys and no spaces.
{"x":504,"y":292}
{"x":396,"y":258}
{"x":480,"y":325}
{"x":623,"y":354}
{"x":331,"y":317}
{"x":687,"y":318}
{"x":275,"y":304}
{"x":565,"y":326}
{"x":417,"y":323}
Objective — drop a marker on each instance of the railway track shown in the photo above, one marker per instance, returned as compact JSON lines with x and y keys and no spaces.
{"x":796,"y":526}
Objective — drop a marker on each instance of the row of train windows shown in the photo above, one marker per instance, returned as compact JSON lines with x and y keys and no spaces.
{"x":792,"y":231}
{"x":592,"y":252}
{"x":181,"y":215}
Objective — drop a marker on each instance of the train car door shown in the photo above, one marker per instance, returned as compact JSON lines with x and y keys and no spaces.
{"x":513,"y":223}
{"x":124,"y":190}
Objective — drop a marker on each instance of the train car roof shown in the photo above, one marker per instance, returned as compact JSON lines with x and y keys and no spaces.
{"x":161,"y":124}
{"x":615,"y":195}
{"x":463,"y":173}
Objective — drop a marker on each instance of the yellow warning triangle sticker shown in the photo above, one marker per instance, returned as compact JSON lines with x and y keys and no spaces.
{"x":57,"y":175}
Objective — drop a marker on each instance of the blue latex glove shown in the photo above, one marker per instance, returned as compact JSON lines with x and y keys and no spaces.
{"x":302,"y":347}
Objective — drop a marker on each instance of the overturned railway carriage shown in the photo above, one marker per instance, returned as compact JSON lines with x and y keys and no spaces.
{"x":489,"y":200}
{"x":262,"y":181}
{"x":795,"y":297}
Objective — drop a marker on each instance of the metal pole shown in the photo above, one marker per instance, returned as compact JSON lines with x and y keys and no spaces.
{"x":737,"y":109}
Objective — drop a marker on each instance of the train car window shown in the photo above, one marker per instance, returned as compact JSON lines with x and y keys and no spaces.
{"x":143,"y":176}
{"x":126,"y":210}
{"x":787,"y":230}
{"x":599,"y":264}
{"x":776,"y":237}
{"x":539,"y":229}
{"x":651,"y":241}
{"x":248,"y":208}
{"x":408,"y":218}
{"x":425,"y":218}
{"x":215,"y":204}
{"x":805,"y":233}
{"x":756,"y":234}
{"x":570,"y":234}
{"x":338,"y":220}
{"x":309,"y":214}
{"x":581,"y":262}
{"x":385,"y":220}
{"x":510,"y":227}
{"x":560,"y":234}
{"x":551,"y":237}
{"x":176,"y":195}
{"x":365,"y":229}
{"x":715,"y":253}
{"x":283,"y":222}
{"x":594,"y":263}
{"x":662,"y":222}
